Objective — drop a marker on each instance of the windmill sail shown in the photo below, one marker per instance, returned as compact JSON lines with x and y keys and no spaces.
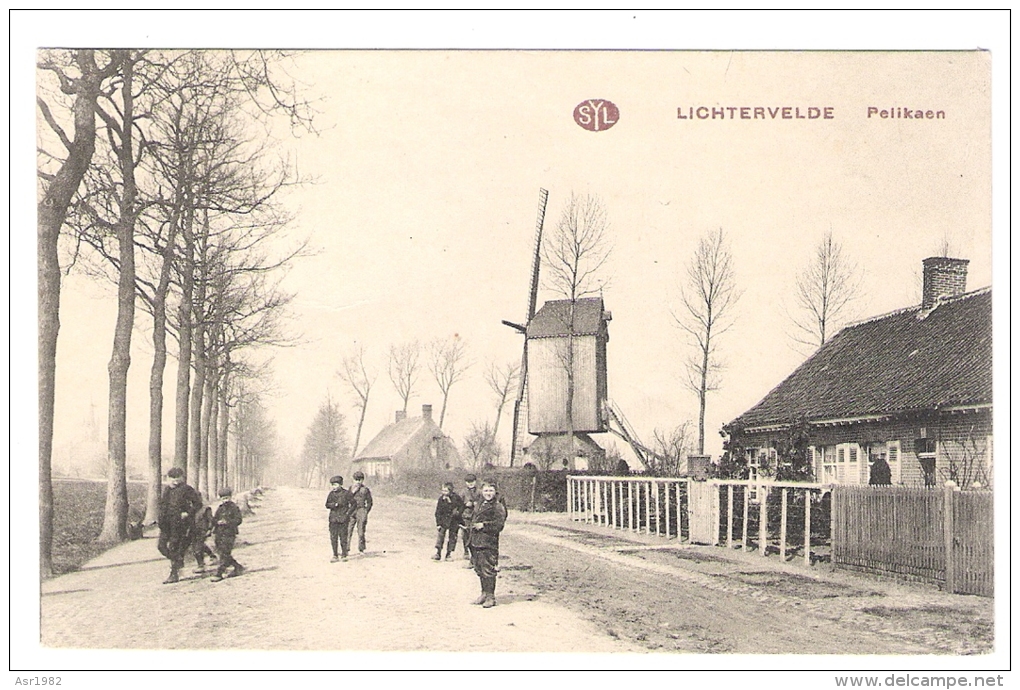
{"x":521,"y":403}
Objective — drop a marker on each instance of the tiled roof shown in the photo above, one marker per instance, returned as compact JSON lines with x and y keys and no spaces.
{"x":393,"y":438}
{"x":553,"y":319}
{"x":901,"y":362}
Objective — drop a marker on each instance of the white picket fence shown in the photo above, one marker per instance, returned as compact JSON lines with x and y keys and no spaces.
{"x":690,"y":510}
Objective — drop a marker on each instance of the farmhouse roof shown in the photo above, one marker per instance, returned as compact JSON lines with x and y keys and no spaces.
{"x":391,"y":439}
{"x":553,"y":319}
{"x":908,"y":361}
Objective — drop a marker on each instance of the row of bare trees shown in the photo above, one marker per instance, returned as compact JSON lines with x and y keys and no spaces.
{"x":156,"y":167}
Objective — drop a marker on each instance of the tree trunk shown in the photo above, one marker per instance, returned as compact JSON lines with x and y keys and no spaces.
{"x":199,"y":355}
{"x":52,"y":210}
{"x":702,"y":394}
{"x":442,"y":411}
{"x":224,"y":422}
{"x":357,"y":434}
{"x":156,"y":381}
{"x":206,"y":487}
{"x":184,"y":351}
{"x":115,"y":515}
{"x":156,"y":402}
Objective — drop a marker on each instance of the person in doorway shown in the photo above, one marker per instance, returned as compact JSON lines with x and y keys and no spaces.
{"x":226,"y":520}
{"x":177,"y":509}
{"x":487,"y":522}
{"x":362,"y":497}
{"x":472,"y":497}
{"x":341,"y":507}
{"x":448,"y":515}
{"x":880,"y":475}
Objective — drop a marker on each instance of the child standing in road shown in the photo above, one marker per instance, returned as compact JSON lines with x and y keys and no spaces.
{"x":487,"y":522}
{"x":448,"y":511}
{"x":341,"y":508}
{"x":226,"y":520}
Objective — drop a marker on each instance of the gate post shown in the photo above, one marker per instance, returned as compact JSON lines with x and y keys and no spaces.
{"x":949,"y":529}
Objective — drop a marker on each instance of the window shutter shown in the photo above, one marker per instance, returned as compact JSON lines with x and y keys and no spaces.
{"x":893,"y":458}
{"x":853,"y":469}
{"x":841,"y":463}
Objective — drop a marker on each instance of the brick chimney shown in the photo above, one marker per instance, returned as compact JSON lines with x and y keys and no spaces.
{"x":400,"y":416}
{"x":426,"y":412}
{"x":943,"y":277}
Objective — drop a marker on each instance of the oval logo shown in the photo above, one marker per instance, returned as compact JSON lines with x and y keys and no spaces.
{"x":596,"y":114}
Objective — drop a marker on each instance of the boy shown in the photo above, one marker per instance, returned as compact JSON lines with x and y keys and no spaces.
{"x":448,"y":511}
{"x":487,"y":522}
{"x":472,"y":496}
{"x":362,"y":506}
{"x":203,"y":528}
{"x":340,"y":505}
{"x":225,"y":523}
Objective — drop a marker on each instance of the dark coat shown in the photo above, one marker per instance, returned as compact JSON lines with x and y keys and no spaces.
{"x":341,"y":506}
{"x":880,"y":475}
{"x":362,"y":498}
{"x":472,"y":498}
{"x":204,"y":522}
{"x":448,"y":510}
{"x":178,"y":507}
{"x":227,"y":519}
{"x":492,"y":515}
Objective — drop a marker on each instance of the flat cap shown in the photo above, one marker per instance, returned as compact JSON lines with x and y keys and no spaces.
{"x":336,"y":479}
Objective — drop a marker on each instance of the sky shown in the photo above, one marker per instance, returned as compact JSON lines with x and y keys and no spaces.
{"x":429,"y":173}
{"x":421,"y":217}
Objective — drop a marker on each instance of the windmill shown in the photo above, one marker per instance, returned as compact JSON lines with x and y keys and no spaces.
{"x":521,"y":403}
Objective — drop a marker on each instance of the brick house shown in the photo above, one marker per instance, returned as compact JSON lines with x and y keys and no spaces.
{"x":913,"y":386}
{"x":408,"y":443}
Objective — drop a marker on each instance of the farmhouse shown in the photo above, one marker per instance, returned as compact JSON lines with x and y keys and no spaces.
{"x":913,"y":386}
{"x":408,"y":443}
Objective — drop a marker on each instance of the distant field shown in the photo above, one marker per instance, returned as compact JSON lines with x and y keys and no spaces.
{"x":78,"y":518}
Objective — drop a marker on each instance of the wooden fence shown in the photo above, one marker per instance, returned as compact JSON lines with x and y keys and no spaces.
{"x":691,"y":510}
{"x":934,"y":535}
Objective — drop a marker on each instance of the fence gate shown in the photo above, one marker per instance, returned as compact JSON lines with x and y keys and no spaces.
{"x":703,"y":512}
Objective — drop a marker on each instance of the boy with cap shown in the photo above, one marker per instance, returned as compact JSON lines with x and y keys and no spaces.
{"x":177,"y":509}
{"x":226,"y":520}
{"x":340,"y":505}
{"x":472,"y":497}
{"x":487,"y":522}
{"x":362,"y":506}
{"x":448,"y":511}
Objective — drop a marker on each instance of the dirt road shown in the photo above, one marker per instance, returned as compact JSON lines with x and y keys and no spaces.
{"x":561,"y":588}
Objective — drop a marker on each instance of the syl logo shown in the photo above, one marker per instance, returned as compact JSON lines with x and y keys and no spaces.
{"x":596,"y":114}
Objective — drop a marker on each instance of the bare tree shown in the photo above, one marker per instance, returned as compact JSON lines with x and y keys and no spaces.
{"x":80,"y":77}
{"x":355,"y":374}
{"x":501,"y":380}
{"x":825,"y":290}
{"x":325,"y":444}
{"x":480,"y":444}
{"x":671,"y":450}
{"x":575,"y":254}
{"x":447,"y":363}
{"x":577,"y":250}
{"x":707,"y":294}
{"x":404,"y":368}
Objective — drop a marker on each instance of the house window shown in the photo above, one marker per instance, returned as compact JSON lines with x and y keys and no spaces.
{"x":829,"y":472}
{"x":927,"y":454}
